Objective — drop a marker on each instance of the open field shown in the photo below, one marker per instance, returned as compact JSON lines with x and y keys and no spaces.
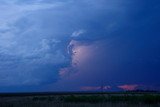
{"x":80,"y":100}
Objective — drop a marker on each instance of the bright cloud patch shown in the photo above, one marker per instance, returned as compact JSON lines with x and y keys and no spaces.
{"x":78,"y":33}
{"x":129,"y":87}
{"x":80,"y":53}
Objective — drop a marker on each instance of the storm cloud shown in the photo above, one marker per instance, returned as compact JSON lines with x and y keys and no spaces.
{"x":50,"y":44}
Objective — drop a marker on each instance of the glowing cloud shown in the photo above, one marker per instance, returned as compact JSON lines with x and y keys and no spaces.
{"x":128,"y":87}
{"x":80,"y":53}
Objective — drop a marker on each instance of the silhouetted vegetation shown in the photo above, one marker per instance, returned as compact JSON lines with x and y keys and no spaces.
{"x":148,"y":99}
{"x":91,"y":99}
{"x":84,"y":100}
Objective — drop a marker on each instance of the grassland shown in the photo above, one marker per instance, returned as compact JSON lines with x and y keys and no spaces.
{"x":80,"y":100}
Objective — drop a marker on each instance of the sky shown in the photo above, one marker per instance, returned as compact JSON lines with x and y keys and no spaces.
{"x":79,"y":45}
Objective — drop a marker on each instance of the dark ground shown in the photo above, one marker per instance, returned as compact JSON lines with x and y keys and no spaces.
{"x":121,"y":99}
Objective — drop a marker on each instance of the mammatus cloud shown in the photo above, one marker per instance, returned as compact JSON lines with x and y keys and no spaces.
{"x":129,"y":87}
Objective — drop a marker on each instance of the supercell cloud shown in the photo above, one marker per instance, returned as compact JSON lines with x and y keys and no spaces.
{"x":71,"y":45}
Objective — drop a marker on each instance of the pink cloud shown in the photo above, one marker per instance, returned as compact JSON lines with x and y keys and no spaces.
{"x":63,"y":72}
{"x":128,"y":87}
{"x":95,"y":88}
{"x":80,"y":55}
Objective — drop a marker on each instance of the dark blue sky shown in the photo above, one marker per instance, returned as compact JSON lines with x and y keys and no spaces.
{"x":73,"y":45}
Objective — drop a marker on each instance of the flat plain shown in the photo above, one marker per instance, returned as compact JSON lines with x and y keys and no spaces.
{"x":121,"y":99}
